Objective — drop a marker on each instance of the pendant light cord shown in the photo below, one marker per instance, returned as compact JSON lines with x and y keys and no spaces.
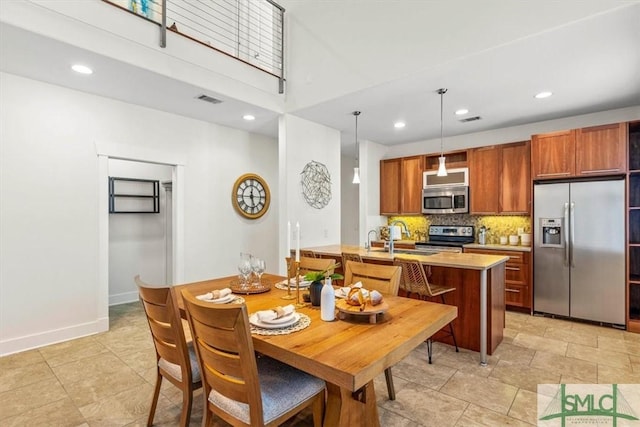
{"x":357,"y":113}
{"x":442,"y":92}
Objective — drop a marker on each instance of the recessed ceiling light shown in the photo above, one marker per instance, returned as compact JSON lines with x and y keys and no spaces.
{"x":82,"y":69}
{"x":399,"y":125}
{"x":543,"y":95}
{"x":462,"y":111}
{"x":248,"y":117}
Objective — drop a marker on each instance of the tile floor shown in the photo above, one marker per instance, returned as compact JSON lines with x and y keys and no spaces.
{"x":107,"y":379}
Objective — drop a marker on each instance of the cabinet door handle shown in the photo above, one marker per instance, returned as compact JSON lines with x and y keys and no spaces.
{"x":600,"y":170}
{"x":515,"y":291}
{"x":513,"y":268}
{"x":554,"y":174}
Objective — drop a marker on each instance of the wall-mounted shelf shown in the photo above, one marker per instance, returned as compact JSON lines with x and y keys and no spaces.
{"x":131,"y":195}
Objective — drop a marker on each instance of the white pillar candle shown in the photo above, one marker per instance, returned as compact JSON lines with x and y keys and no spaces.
{"x":288,"y":239}
{"x":297,"y":241}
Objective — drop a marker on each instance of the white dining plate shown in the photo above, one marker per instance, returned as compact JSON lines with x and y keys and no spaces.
{"x":280,"y":320}
{"x":253,"y":319}
{"x":223,"y":300}
{"x":303,"y":283}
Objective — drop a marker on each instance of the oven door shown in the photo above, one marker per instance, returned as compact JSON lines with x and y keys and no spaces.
{"x":446,"y":200}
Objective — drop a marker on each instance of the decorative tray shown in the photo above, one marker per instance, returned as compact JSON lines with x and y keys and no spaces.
{"x":368,"y":310}
{"x":254,"y":288}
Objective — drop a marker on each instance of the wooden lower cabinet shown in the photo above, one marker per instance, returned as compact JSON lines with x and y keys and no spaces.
{"x":517,"y":287}
{"x":467,"y":298}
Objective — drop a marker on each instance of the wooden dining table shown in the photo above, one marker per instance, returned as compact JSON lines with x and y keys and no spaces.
{"x":348,"y":354}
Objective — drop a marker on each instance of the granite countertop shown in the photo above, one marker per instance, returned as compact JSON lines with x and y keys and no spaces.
{"x":499,"y":247}
{"x":443,"y":259}
{"x":494,"y":247}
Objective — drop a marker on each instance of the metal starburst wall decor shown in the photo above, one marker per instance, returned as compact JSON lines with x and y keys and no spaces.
{"x":316,"y":184}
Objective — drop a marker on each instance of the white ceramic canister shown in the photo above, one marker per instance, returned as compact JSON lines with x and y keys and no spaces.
{"x":327,"y":301}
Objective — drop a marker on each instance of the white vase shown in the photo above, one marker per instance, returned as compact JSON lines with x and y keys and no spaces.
{"x":327,"y":301}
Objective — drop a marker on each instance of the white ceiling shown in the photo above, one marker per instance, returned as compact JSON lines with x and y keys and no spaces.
{"x":492,"y":58}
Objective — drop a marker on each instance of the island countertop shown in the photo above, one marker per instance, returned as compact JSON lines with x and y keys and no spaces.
{"x":465,"y":261}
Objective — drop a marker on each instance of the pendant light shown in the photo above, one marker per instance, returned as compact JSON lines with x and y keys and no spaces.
{"x":356,"y":169}
{"x":442,"y":169}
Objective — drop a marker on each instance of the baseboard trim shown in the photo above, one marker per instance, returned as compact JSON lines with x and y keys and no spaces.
{"x":123,"y":298}
{"x":29,"y":342}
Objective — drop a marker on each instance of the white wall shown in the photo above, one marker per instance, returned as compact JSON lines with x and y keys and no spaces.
{"x":302,"y":141}
{"x":514,"y":133}
{"x":49,"y":202}
{"x":137,"y":242}
{"x":349,"y":203}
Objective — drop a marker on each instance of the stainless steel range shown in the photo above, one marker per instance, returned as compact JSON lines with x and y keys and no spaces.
{"x":447,"y":238}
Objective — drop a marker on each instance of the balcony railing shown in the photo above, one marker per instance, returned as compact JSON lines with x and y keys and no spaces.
{"x":251,"y":31}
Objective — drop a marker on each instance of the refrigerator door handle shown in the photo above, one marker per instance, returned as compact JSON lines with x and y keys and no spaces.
{"x":566,"y":235}
{"x":572,"y":231}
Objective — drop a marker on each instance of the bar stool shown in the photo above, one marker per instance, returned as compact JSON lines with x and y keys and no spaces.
{"x":413,"y":280}
{"x":349,"y":256}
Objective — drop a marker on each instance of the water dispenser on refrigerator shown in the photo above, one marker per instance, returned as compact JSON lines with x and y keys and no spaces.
{"x":551,"y":232}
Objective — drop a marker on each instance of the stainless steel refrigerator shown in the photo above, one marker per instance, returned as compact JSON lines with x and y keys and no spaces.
{"x":579,"y":258}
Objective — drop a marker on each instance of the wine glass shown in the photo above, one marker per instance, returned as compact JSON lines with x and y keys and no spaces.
{"x":244,"y":267}
{"x":258,"y":266}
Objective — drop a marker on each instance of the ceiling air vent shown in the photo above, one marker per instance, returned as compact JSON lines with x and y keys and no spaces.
{"x":209,"y":99}
{"x":470,"y":119}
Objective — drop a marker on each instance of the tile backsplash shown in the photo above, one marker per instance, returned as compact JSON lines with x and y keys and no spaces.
{"x":496,"y":225}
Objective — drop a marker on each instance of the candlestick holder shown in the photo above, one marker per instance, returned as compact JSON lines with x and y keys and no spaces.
{"x":298,"y":303}
{"x":289,"y":269}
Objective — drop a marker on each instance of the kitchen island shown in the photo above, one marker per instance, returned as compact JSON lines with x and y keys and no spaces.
{"x":479,"y":295}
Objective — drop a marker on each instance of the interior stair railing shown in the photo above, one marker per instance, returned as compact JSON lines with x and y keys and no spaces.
{"x":251,"y":31}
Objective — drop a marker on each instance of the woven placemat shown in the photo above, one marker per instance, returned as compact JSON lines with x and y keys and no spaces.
{"x":301,"y":324}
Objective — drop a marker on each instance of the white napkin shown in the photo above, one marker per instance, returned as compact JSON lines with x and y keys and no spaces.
{"x":343,"y":292}
{"x":214,"y":295}
{"x":267,"y":315}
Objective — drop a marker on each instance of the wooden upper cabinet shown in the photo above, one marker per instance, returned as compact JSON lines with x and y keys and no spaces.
{"x":553,"y":155}
{"x":515,"y":195}
{"x":499,"y":179}
{"x":390,"y":186}
{"x":601,"y":149}
{"x":401,"y":186}
{"x":411,"y":185}
{"x":484,"y":180}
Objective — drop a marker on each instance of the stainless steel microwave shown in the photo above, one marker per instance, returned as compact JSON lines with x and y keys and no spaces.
{"x":445,"y":200}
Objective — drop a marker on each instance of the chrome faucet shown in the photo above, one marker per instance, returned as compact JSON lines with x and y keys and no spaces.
{"x":406,"y":233}
{"x":369,"y":239}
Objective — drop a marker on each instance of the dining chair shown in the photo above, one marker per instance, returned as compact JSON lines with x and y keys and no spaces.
{"x":310,"y":264}
{"x":414,"y":281}
{"x":240,"y":388}
{"x":383,"y":278}
{"x":175,"y":358}
{"x":307,"y":253}
{"x":315,"y":264}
